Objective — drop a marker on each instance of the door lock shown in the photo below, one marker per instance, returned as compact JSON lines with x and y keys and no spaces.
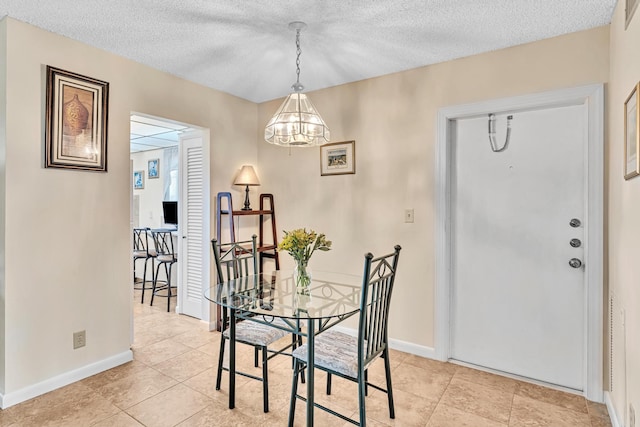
{"x":575,"y":263}
{"x":575,"y":243}
{"x":575,"y":222}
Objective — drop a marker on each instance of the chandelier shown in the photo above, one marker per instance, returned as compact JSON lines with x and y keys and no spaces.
{"x":297,"y":123}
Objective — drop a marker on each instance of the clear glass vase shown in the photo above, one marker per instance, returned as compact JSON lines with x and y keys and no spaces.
{"x":302,"y":278}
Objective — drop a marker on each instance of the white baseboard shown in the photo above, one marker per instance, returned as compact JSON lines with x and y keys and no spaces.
{"x":394,"y":344}
{"x":64,"y":379}
{"x":612,"y":410}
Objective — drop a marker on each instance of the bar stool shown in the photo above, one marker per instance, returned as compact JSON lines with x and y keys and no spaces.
{"x":166,"y":256}
{"x":141,"y":250}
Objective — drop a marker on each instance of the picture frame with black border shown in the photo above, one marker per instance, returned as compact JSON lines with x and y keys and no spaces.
{"x":76,"y":114}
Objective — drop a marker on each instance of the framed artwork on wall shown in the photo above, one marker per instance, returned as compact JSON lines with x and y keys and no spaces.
{"x":154,"y":168}
{"x":338,"y":158}
{"x":138,"y":180}
{"x":75,"y":121}
{"x":632,"y":134}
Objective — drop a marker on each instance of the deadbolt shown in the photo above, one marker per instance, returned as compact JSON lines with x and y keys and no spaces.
{"x":575,"y":243}
{"x":575,"y":263}
{"x":575,"y":222}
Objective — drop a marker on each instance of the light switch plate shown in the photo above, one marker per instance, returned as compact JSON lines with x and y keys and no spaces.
{"x":408,"y":215}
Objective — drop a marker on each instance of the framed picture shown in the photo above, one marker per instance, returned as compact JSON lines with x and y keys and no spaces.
{"x":75,"y":121}
{"x":154,"y":168}
{"x":632,"y":135}
{"x":338,"y":158}
{"x":630,"y":8}
{"x":138,"y":180}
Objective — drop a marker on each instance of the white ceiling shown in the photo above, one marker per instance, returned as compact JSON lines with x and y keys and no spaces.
{"x":245,"y":48}
{"x":152,"y":134}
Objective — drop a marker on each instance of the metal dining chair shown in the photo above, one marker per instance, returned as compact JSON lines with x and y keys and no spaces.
{"x":142,"y":250}
{"x":347,"y":356}
{"x":235,"y":261}
{"x":165,"y":256}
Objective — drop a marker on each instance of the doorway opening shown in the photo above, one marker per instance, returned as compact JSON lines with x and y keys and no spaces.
{"x":170,"y":171}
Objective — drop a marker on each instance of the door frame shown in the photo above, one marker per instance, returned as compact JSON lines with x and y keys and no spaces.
{"x":592,"y":96}
{"x":204,"y":135}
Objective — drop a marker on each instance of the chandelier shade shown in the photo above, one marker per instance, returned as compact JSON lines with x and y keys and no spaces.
{"x":297,"y":123}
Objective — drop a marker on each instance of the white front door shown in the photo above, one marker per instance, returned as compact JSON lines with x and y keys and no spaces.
{"x":517,"y":305}
{"x":193,"y":228}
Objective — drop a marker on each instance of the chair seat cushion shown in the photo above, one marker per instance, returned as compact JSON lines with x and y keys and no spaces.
{"x":334,"y":351}
{"x":143,"y":254}
{"x":166,"y":258}
{"x":255,"y":333}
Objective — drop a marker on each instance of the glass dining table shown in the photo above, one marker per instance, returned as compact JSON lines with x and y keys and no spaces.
{"x":331,"y":298}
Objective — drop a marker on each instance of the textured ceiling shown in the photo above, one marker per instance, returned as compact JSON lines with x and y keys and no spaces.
{"x":245,"y":47}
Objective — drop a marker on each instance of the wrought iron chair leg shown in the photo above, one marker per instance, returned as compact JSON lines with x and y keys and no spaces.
{"x":302,"y":379}
{"x":387,"y":371}
{"x":361,"y":400}
{"x":366,"y":379}
{"x":144,"y":279}
{"x":220,"y":360}
{"x":255,"y":356}
{"x":294,"y":392}
{"x":155,"y":282}
{"x":167,"y":269}
{"x":328,"y":383}
{"x":265,"y":380}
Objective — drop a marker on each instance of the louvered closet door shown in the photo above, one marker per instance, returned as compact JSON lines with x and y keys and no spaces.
{"x":192,"y":225}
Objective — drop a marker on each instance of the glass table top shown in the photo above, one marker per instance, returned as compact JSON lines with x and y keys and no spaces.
{"x":274,"y":294}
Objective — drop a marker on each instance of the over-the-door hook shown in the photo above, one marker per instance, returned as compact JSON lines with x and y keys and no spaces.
{"x":492,"y":133}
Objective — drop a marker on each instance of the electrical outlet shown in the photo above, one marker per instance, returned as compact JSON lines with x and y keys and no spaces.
{"x":632,"y":416}
{"x":408,"y":215}
{"x":79,"y":339}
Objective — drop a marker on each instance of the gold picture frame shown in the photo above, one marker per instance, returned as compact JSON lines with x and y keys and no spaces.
{"x":338,"y":158}
{"x":75,"y":121}
{"x":632,"y":134}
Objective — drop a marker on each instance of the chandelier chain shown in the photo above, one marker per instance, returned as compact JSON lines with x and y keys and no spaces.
{"x":298,"y":53}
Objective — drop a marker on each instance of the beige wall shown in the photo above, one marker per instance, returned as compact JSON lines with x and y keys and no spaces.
{"x":392,"y":120}
{"x":623,"y":225}
{"x":67,"y":258}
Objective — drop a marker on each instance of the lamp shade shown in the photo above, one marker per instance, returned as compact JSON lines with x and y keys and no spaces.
{"x":247,"y":176}
{"x":296,"y":124}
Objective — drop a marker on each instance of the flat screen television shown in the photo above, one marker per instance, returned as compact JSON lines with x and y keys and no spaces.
{"x":170,"y":213}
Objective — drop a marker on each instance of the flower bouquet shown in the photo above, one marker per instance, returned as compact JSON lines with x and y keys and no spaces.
{"x":301,"y":244}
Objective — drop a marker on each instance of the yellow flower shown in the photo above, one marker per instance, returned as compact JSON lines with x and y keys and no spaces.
{"x":301,"y":244}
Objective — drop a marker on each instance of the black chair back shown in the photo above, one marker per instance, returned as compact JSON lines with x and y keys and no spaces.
{"x":141,"y":242}
{"x":235,"y":259}
{"x":378,"y":279}
{"x":164,"y":246}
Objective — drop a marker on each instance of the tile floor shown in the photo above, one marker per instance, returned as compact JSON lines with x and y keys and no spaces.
{"x":171,"y":383}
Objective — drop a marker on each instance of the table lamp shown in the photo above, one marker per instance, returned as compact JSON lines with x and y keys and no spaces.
{"x":247,"y":176}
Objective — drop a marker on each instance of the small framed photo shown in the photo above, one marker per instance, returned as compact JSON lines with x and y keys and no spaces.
{"x":632,"y":135}
{"x":138,"y":180}
{"x":154,"y":168}
{"x":75,"y":121}
{"x":338,"y":158}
